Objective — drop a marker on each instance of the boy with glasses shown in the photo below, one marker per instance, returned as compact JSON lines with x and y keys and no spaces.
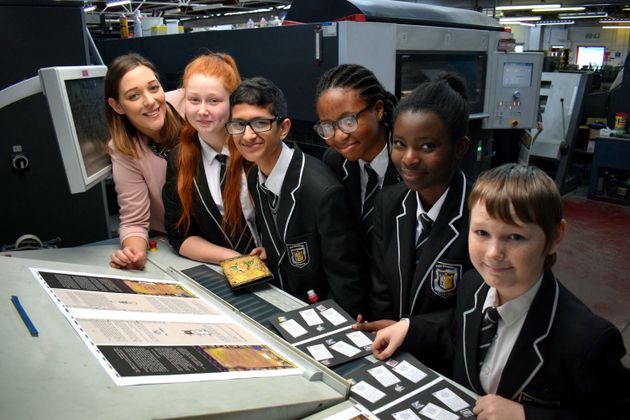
{"x":304,"y":222}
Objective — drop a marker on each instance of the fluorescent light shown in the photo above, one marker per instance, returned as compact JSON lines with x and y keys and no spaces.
{"x":616,"y":27}
{"x":244,"y":12}
{"x":89,"y":8}
{"x":526,"y":24}
{"x":557,"y":46}
{"x":519,"y":19}
{"x":614,"y":21}
{"x":118,"y":3}
{"x":588,"y":15}
{"x":558,"y":9}
{"x":555,"y":22}
{"x":529,"y":7}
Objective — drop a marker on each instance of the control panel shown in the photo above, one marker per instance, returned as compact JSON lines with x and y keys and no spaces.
{"x":512,"y":90}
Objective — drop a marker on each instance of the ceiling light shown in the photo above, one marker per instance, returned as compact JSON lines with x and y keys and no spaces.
{"x":614,"y":21}
{"x":529,"y":7}
{"x":526,"y":24}
{"x":588,"y":15}
{"x":555,"y":22}
{"x":616,"y":27}
{"x":244,"y":12}
{"x":89,"y":8}
{"x":558,"y":9}
{"x":118,"y":3}
{"x":519,"y":19}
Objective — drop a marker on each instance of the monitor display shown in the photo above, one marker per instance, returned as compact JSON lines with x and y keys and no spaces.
{"x":413,"y":68}
{"x":517,"y":75}
{"x":590,"y":57}
{"x":76,"y":102}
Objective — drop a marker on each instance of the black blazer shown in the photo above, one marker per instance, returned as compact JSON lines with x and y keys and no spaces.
{"x":205,"y":219}
{"x":348,"y":173}
{"x":565,"y":363}
{"x":399,"y":288}
{"x":314,"y":245}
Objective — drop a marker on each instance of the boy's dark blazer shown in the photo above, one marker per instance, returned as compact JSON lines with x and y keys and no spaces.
{"x":314,"y":246}
{"x":565,"y":363}
{"x":399,"y":288}
{"x":206,"y":218}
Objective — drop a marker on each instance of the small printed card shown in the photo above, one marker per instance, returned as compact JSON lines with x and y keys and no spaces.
{"x":323,"y":330}
{"x":245,"y":270}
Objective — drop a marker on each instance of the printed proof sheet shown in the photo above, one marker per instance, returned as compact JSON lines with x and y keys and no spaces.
{"x":146,"y":331}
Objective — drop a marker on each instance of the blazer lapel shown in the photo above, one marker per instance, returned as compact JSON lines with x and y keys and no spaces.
{"x":526,"y":357}
{"x":291,"y":184}
{"x":471,"y":324}
{"x":391,"y":175}
{"x":205,"y":201}
{"x":352,"y":180}
{"x":443,"y":233}
{"x":405,"y":242}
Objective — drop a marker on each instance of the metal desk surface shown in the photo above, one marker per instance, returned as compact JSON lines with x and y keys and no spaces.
{"x":55,"y":376}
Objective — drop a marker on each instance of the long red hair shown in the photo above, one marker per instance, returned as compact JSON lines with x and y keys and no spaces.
{"x":222,"y":66}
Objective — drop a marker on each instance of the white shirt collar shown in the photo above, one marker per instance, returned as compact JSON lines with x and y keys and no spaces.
{"x":434,"y":212}
{"x":208,"y":153}
{"x":274,"y":181}
{"x":379,"y":164}
{"x":514,"y":309}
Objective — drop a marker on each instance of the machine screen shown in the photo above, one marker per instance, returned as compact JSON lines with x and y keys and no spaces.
{"x":517,"y":74}
{"x":413,"y":68}
{"x":86,"y":98}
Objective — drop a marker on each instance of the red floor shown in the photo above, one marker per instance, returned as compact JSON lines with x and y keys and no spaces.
{"x":594,"y":260}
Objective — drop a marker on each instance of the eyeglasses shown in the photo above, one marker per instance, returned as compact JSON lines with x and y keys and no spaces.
{"x":259,"y":125}
{"x":347,"y":124}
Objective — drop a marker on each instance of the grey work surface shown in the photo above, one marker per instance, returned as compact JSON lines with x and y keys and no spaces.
{"x":55,"y":376}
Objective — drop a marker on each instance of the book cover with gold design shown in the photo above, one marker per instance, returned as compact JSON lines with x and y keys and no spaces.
{"x":245,"y":270}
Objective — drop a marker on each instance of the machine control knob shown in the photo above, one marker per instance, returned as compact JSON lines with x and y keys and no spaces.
{"x":514,"y":123}
{"x":20,"y":162}
{"x":516,"y":94}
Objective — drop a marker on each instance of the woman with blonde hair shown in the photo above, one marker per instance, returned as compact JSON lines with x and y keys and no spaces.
{"x":209,"y":214}
{"x":144,"y":126}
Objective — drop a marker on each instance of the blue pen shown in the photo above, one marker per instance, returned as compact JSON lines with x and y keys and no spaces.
{"x":24,"y":315}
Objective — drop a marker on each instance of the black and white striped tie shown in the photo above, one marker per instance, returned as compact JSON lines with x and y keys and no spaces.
{"x":487,"y":333}
{"x":368,"y":202}
{"x":222,"y":159}
{"x":427,"y":223}
{"x":272,"y":199}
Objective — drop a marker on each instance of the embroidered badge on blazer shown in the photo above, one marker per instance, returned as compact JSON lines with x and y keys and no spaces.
{"x":298,"y":254}
{"x":445,"y":278}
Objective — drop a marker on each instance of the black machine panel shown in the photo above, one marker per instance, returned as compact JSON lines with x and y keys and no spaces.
{"x":36,"y":199}
{"x":414,"y":68}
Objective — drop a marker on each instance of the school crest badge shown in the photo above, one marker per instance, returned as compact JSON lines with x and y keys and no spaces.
{"x":298,"y":254}
{"x":445,"y":278}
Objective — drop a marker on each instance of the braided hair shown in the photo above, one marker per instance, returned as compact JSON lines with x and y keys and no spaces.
{"x":362,"y":80}
{"x":446,"y":97}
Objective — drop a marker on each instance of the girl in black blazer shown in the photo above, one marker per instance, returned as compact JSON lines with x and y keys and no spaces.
{"x":209,"y":216}
{"x":355,"y":120}
{"x":517,"y":336}
{"x":416,"y":269}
